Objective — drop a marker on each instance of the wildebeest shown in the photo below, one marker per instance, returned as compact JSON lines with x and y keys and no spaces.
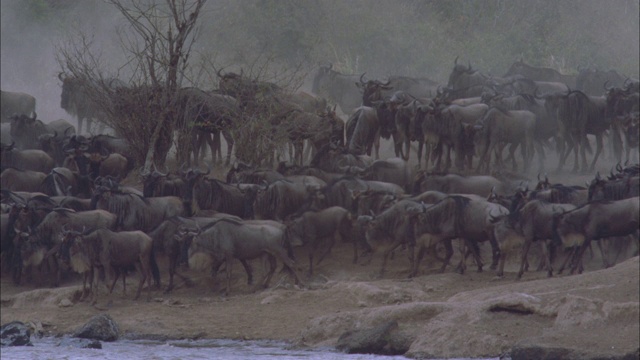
{"x":497,"y":127}
{"x":135,"y":212}
{"x":539,"y":73}
{"x":614,"y":189}
{"x":319,"y":230}
{"x":393,"y":170}
{"x":579,"y":115}
{"x":391,"y":228}
{"x":337,"y":87}
{"x":590,"y":81}
{"x":202,"y":193}
{"x":53,"y":144}
{"x":535,"y":221}
{"x":336,"y":159}
{"x":114,"y":165}
{"x":16,"y":103}
{"x":226,"y":239}
{"x":598,"y":220}
{"x":468,"y":218}
{"x":480,"y":185}
{"x":156,"y":183}
{"x":281,"y":199}
{"x":113,"y":251}
{"x":25,"y":131}
{"x":167,"y":236}
{"x":446,"y":123}
{"x":362,"y":129}
{"x":340,"y":192}
{"x":246,"y":174}
{"x":34,"y":160}
{"x":22,"y":180}
{"x":210,"y":113}
{"x":465,"y":82}
{"x":546,"y":124}
{"x":46,"y":234}
{"x":79,"y":98}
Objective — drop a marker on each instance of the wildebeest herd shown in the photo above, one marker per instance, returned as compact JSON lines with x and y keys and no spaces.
{"x":65,"y":207}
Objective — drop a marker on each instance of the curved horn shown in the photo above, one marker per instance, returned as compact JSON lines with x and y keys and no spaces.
{"x":455,"y":62}
{"x":362,"y":77}
{"x":219,"y":73}
{"x":619,"y":167}
{"x":605,"y":86}
{"x":539,"y":177}
{"x":161,"y":173}
{"x":60,"y":75}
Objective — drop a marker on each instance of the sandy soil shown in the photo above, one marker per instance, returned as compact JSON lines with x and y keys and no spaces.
{"x":448,"y":315}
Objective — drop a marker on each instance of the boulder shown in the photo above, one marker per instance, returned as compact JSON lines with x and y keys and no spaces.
{"x":100,"y":327}
{"x":385,"y":339}
{"x":15,"y":333}
{"x":81,"y":343}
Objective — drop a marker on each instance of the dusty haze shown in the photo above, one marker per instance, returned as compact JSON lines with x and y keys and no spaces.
{"x":415,"y":38}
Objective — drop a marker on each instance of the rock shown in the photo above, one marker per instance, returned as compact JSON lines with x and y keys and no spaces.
{"x":65,"y":303}
{"x":15,"y":333}
{"x":100,"y":327}
{"x":385,"y":339}
{"x":81,"y":343}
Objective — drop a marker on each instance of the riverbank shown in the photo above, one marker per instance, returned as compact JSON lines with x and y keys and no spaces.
{"x":443,"y":315}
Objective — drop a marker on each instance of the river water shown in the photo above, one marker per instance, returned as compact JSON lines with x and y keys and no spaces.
{"x":48,"y":348}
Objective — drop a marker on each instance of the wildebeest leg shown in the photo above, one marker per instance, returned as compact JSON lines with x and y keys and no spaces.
{"x":376,"y":145}
{"x":472,"y":248}
{"x":387,"y":252}
{"x":577,"y":265}
{"x":420,"y":147}
{"x":331,"y":240}
{"x":416,"y":263}
{"x":115,"y":279}
{"x":288,"y":262}
{"x":495,"y":251}
{"x":569,"y":256}
{"x":228,"y":137}
{"x":228,"y":263}
{"x":565,"y":147}
{"x":604,"y":253}
{"x":583,"y":151}
{"x":523,"y":259}
{"x":272,"y":270}
{"x":448,"y":254}
{"x":249,"y":270}
{"x":598,"y":151}
{"x":546,"y":257}
{"x":503,"y":258}
{"x":541,"y":156}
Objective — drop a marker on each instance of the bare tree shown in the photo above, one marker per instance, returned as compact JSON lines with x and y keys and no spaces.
{"x":157,"y":41}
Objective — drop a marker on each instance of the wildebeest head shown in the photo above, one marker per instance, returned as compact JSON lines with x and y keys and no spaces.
{"x":372,"y":90}
{"x":458,"y":71}
{"x":150,"y":181}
